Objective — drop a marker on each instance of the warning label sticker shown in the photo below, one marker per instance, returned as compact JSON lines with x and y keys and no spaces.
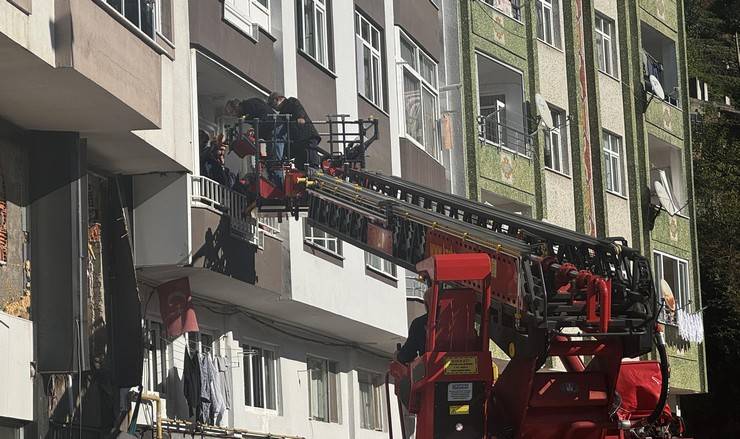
{"x":459,"y":392}
{"x":461,"y":365}
{"x":460,"y":409}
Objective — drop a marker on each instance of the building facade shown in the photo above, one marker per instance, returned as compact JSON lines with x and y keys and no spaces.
{"x":103,"y":200}
{"x":594,"y":168}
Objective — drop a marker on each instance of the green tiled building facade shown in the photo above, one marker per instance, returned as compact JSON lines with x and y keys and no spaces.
{"x":594,"y":169}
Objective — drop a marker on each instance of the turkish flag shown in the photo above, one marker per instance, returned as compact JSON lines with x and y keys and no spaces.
{"x":176,"y":307}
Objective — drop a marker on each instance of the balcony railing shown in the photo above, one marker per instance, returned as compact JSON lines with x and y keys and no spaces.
{"x":493,"y":131}
{"x":655,"y":68}
{"x":211,"y":195}
{"x":512,"y":8}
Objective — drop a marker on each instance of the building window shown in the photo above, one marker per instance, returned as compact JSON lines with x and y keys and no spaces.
{"x":313,"y":29}
{"x":419,"y":95}
{"x":369,"y":60}
{"x":260,"y":377}
{"x":244,"y":14}
{"x":200,"y":342}
{"x":614,"y":163}
{"x":512,"y":8}
{"x":414,"y":287}
{"x":140,"y":13}
{"x":557,"y":155}
{"x":380,"y":265}
{"x":676,"y":273}
{"x":371,"y":400}
{"x":548,"y":22}
{"x":163,"y":19}
{"x":493,"y":111}
{"x":321,"y":239}
{"x":606,"y":46}
{"x":323,"y":390}
{"x":155,"y":358}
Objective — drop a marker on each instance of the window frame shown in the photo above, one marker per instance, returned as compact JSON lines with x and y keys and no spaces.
{"x":499,"y":138}
{"x":432,"y":89}
{"x":310,"y":239}
{"x":684,"y":297}
{"x":247,"y":345}
{"x":122,"y":12}
{"x":516,"y":9}
{"x":385,"y":268}
{"x":156,"y":356}
{"x":611,"y":62}
{"x":609,"y":156}
{"x":375,"y":380}
{"x":376,"y":59}
{"x":553,"y":32}
{"x":560,"y":129}
{"x":336,"y":398}
{"x":323,"y":7}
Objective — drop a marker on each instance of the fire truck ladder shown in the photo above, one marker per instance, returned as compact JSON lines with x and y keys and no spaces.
{"x":554,"y":292}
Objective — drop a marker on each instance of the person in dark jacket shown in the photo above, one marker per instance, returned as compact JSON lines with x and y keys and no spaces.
{"x":415,"y":345}
{"x":303,"y":134}
{"x":270,"y":129}
{"x":214,"y":167}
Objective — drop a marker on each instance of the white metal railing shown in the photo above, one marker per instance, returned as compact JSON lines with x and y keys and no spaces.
{"x":219,"y":198}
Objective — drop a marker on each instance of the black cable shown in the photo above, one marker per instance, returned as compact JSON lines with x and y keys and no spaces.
{"x":273,"y":325}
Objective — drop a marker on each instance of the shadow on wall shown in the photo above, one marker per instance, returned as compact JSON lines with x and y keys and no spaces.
{"x":226,"y":254}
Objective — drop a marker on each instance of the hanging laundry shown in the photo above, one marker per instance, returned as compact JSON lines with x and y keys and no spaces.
{"x":223,"y":369}
{"x":191,"y":380}
{"x":176,"y":307}
{"x":690,"y":326}
{"x":206,"y":397}
{"x":218,"y":407}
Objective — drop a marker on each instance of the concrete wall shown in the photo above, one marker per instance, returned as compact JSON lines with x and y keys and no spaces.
{"x":415,"y":17}
{"x":174,"y":138}
{"x":16,"y":343}
{"x":161,"y":220}
{"x":112,"y":56}
{"x":32,"y":31}
{"x":210,"y":33}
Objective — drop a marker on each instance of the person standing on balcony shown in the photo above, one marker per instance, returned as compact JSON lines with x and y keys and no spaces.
{"x":303,"y":134}
{"x":213,"y":165}
{"x":270,"y":129}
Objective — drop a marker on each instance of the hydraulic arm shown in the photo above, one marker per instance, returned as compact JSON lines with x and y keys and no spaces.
{"x":536,"y":290}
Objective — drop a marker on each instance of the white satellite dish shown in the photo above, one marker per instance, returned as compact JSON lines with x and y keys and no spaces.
{"x":543,"y":111}
{"x":657,"y":87}
{"x":664,"y":196}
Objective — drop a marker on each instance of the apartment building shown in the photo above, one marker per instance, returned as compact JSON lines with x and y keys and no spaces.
{"x":612,"y":135}
{"x":103,"y":201}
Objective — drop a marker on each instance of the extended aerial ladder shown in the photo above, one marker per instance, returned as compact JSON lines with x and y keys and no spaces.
{"x":534,"y":289}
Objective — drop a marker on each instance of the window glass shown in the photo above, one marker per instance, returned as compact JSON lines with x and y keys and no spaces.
{"x":323,"y":390}
{"x":322,"y":239}
{"x":408,"y":52}
{"x":419,"y":96}
{"x":412,"y":105}
{"x":370,"y":401}
{"x":557,"y":154}
{"x":613,"y":163}
{"x":606,"y":50}
{"x":379,"y":264}
{"x":369,"y":71}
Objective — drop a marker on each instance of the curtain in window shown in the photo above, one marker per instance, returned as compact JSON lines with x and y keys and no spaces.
{"x":412,"y":104}
{"x":430,"y":122}
{"x":317,"y":389}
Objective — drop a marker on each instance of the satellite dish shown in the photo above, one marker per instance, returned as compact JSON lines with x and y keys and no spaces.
{"x":665,"y":198}
{"x":543,"y":111}
{"x":657,"y":87}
